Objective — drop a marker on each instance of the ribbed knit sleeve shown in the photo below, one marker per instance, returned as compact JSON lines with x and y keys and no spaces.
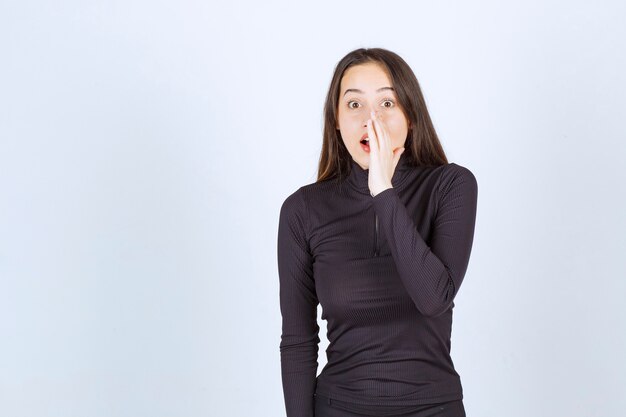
{"x":298,"y":305}
{"x":432,"y":274}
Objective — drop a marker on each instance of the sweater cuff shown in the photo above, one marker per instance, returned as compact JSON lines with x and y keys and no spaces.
{"x":384,"y":199}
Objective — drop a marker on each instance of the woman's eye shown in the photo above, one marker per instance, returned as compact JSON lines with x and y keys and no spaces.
{"x":350,"y":104}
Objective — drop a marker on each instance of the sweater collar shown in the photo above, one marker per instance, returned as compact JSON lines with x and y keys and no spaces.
{"x":358,"y":176}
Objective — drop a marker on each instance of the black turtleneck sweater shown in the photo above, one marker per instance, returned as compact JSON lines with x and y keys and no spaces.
{"x":385,"y":270}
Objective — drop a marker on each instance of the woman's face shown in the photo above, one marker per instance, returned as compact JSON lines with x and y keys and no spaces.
{"x":363,"y":88}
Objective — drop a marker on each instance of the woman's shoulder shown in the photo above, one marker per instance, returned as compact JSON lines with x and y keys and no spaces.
{"x":294,"y":201}
{"x":455,"y":175}
{"x":316,"y":188}
{"x":299,"y":201}
{"x":454,"y":169}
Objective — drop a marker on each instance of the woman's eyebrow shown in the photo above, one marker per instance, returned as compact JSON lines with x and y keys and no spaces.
{"x":356,"y":90}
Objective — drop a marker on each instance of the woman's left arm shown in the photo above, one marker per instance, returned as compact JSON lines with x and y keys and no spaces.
{"x":432,"y":275}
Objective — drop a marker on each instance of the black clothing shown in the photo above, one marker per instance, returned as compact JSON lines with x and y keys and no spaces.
{"x":327,"y":407}
{"x":385,"y":270}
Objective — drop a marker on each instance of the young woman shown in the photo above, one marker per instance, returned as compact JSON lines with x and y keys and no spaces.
{"x":382,"y":241}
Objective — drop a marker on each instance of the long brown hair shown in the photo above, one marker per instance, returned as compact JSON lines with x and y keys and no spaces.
{"x":422,"y":143}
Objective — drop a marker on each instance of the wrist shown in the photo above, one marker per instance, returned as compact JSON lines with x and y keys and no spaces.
{"x":375,"y":193}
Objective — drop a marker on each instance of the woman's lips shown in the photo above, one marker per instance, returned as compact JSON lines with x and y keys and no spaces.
{"x":365,"y":142}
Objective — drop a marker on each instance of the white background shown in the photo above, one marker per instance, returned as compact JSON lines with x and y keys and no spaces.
{"x":146,"y":148}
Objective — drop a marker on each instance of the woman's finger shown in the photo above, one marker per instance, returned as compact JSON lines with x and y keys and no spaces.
{"x":381,"y":134}
{"x":372,"y":136}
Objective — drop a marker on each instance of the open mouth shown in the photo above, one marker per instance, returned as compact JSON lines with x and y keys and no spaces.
{"x":365,"y":144}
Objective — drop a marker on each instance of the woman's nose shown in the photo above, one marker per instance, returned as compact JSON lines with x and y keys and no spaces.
{"x":369,"y":116}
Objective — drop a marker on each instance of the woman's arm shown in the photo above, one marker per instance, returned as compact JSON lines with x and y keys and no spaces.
{"x":298,"y":305}
{"x":432,"y":275}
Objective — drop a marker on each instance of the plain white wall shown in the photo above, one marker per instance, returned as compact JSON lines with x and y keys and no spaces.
{"x":146,"y":148}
